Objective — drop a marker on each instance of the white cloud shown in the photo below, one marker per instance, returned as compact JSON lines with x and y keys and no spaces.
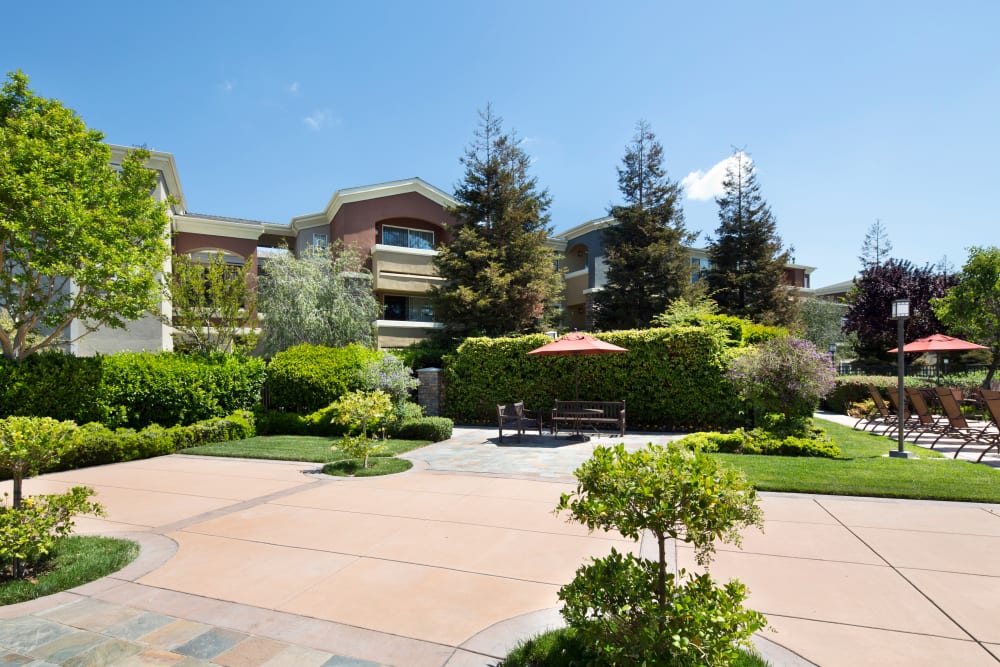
{"x":319,"y":119}
{"x":293,"y":88}
{"x":705,"y":185}
{"x":227,"y":86}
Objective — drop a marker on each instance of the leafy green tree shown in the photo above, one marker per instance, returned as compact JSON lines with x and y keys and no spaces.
{"x":647,"y":263}
{"x":971,"y":308}
{"x":213,"y":303}
{"x":670,"y":492}
{"x":78,"y":239}
{"x":870,"y":304}
{"x":819,"y":321}
{"x":28,"y":445}
{"x":499,"y":274}
{"x":746,"y":276}
{"x":362,"y":411}
{"x":324,"y":297}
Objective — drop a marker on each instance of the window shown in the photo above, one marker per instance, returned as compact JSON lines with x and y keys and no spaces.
{"x":408,"y":238}
{"x":408,"y":309}
{"x":320,"y":240}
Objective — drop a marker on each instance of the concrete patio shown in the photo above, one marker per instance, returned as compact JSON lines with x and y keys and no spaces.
{"x":267,"y":563}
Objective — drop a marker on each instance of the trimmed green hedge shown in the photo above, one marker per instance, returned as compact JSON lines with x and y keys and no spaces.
{"x":671,"y":378}
{"x":132,"y":389}
{"x":434,"y":429}
{"x":96,"y":444}
{"x":307,"y":377}
{"x":761,"y":443}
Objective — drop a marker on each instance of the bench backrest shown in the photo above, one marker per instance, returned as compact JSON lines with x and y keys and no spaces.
{"x":609,"y":409}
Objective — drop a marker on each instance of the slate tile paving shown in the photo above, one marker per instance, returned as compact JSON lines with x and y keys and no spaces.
{"x":139,"y":626}
{"x":211,"y":643}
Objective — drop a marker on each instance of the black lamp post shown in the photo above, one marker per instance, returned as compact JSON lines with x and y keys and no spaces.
{"x":900,"y":313}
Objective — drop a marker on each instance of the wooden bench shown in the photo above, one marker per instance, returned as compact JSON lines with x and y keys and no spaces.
{"x":580,"y":413}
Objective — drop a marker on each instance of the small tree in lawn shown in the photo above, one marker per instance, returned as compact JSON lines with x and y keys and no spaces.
{"x":29,"y":528}
{"x":673,"y":493}
{"x":362,"y":411}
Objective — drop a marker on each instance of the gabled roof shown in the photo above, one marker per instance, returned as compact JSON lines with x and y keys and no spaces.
{"x":376,"y":191}
{"x":163,"y":163}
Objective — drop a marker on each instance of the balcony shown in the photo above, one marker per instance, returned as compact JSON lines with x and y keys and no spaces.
{"x":403,"y":270}
{"x":576,"y":283}
{"x":400,"y":333}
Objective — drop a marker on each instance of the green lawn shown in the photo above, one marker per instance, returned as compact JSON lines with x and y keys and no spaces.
{"x":74,"y":561}
{"x":293,"y":448}
{"x":864,"y":470}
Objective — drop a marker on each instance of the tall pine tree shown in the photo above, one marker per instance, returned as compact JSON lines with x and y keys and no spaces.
{"x":647,"y":264}
{"x":500,"y":276}
{"x":746,"y":277}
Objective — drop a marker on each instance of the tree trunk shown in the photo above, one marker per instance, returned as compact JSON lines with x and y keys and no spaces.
{"x":661,"y":579}
{"x":993,"y":368}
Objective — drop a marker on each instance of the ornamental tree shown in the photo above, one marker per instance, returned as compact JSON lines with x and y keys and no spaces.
{"x":79,"y":240}
{"x":323,"y":297}
{"x":870,"y":304}
{"x":212,"y":303}
{"x":671,"y":492}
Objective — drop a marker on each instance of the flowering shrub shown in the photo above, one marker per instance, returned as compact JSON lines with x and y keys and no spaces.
{"x":786,"y":376}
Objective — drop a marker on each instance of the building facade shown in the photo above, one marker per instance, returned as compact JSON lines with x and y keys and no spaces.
{"x":396,"y":227}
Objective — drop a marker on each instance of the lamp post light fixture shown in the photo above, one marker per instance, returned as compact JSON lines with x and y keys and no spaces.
{"x":833,"y":355}
{"x":900,"y":313}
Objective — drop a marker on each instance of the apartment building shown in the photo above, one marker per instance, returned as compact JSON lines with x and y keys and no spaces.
{"x":395,"y":225}
{"x":581,"y":250}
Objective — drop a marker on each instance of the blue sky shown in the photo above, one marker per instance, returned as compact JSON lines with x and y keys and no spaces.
{"x":851,"y":111}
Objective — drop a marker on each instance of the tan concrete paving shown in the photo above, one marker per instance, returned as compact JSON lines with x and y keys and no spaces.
{"x":266,"y":563}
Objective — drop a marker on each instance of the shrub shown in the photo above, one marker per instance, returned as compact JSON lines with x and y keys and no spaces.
{"x":361,"y":411}
{"x":762,"y":442}
{"x":29,"y":532}
{"x":390,"y":374}
{"x":169,"y":389}
{"x":276,"y":422}
{"x":435,"y":429}
{"x":609,"y":605}
{"x":671,"y":378}
{"x":632,"y":610}
{"x":784,"y":375}
{"x":54,"y":384}
{"x":307,"y":377}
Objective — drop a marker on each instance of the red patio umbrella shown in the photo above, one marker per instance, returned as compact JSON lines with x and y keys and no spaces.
{"x":574,"y":344}
{"x":939,"y":343}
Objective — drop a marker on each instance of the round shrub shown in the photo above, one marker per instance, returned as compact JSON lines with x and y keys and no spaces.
{"x":307,"y":377}
{"x":434,"y":429}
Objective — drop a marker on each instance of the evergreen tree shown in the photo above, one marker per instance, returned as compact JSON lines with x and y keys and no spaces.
{"x":876,"y":247}
{"x":746,"y":277}
{"x":500,"y":275}
{"x":647,"y":264}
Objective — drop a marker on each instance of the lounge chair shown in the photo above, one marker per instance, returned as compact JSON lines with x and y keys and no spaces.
{"x":882,"y":414}
{"x":894,"y":407}
{"x":515,"y":417}
{"x":956,"y":425}
{"x":925,"y":422}
{"x":992,"y":401}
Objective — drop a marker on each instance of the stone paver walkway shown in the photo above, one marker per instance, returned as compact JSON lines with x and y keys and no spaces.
{"x":266,"y":563}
